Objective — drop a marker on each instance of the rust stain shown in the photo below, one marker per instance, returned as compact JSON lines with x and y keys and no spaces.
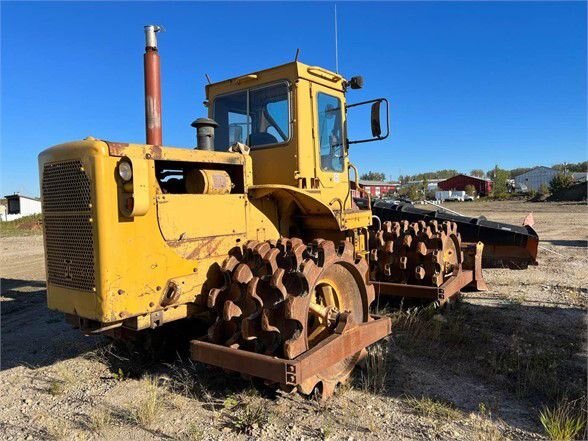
{"x":116,"y":148}
{"x":156,"y":152}
{"x":201,"y":248}
{"x":206,"y":248}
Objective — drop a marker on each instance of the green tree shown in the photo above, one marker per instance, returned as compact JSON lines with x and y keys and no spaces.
{"x":439,"y":174}
{"x":572,"y":167}
{"x":410,"y":191}
{"x":519,"y":171}
{"x":560,"y":182}
{"x":413,"y":193}
{"x":470,"y":190}
{"x":373,"y":176}
{"x":477,"y":172}
{"x":425,"y":185}
{"x":500,"y":178}
{"x":543,"y":189}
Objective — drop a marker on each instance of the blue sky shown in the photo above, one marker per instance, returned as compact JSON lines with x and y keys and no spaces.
{"x":471,"y":85}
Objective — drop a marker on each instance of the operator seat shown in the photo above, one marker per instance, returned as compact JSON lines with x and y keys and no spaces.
{"x":261,"y":138}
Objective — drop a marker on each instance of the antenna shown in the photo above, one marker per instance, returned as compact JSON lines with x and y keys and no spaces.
{"x":297,"y":53}
{"x":336,"y":43}
{"x":207,"y":78}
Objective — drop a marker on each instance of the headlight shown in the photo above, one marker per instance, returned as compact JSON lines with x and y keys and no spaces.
{"x":125,"y":171}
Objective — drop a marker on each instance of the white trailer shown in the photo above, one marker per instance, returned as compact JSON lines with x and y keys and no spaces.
{"x":453,"y":195}
{"x":442,"y":195}
{"x":20,"y":206}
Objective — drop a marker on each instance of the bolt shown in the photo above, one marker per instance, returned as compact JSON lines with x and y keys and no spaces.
{"x":120,"y":292}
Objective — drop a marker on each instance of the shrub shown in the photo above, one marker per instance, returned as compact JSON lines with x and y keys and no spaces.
{"x":560,"y":181}
{"x":250,"y":418}
{"x":543,"y":190}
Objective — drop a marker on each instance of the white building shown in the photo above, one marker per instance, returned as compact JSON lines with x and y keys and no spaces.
{"x":534,"y":178}
{"x":19,"y":206}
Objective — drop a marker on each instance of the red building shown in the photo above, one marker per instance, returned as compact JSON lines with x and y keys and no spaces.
{"x":377,"y":189}
{"x":483,"y":186}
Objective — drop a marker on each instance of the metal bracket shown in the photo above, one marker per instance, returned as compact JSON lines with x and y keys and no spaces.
{"x":156,"y":319}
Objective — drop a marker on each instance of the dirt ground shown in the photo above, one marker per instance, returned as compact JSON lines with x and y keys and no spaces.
{"x":482,"y":370}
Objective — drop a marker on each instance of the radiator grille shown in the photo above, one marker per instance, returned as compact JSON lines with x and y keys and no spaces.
{"x":66,"y":187}
{"x":67,"y":223}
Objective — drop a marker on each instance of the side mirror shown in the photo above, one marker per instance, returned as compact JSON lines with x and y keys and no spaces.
{"x":376,"y":128}
{"x":376,"y":121}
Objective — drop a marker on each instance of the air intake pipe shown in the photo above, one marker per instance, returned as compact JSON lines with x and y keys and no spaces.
{"x":152,"y":87}
{"x":205,"y":133}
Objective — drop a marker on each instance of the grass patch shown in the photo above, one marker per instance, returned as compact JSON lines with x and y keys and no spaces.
{"x":25,"y":226}
{"x":61,"y":383}
{"x":58,"y":429}
{"x":529,"y":372}
{"x":373,"y":377}
{"x":249,"y":418}
{"x":99,"y":420}
{"x":484,"y":430}
{"x":419,"y":329}
{"x":564,"y":421}
{"x":146,"y":412}
{"x":326,"y":432}
{"x":522,"y":355}
{"x":194,"y":432}
{"x":56,"y":387}
{"x":185,"y":380}
{"x":432,"y":408}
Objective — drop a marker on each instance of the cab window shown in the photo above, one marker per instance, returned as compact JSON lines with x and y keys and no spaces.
{"x":257,"y":117}
{"x":330,"y":133}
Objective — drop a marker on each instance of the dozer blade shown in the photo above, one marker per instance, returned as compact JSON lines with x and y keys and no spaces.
{"x":505,"y":245}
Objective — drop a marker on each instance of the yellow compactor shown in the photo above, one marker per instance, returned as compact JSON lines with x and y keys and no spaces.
{"x":256,"y":226}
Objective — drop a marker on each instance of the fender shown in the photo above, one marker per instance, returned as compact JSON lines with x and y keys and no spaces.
{"x":306,"y":203}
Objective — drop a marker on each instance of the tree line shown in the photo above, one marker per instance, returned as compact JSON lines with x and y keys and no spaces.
{"x":494,"y":173}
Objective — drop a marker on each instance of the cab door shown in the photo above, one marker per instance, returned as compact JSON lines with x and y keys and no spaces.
{"x":331,"y":155}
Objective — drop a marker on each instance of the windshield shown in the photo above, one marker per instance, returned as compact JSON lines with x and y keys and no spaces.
{"x":256,"y":117}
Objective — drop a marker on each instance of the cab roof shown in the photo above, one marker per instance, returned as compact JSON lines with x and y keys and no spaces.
{"x":289,"y":71}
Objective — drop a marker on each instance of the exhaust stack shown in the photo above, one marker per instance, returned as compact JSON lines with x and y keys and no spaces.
{"x":152,"y":87}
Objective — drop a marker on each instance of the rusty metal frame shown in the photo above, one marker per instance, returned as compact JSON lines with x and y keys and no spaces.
{"x":470,"y":278}
{"x":446,"y":291}
{"x":348,"y":339}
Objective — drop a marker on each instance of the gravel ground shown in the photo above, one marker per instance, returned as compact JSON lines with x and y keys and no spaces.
{"x":482,"y":370}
